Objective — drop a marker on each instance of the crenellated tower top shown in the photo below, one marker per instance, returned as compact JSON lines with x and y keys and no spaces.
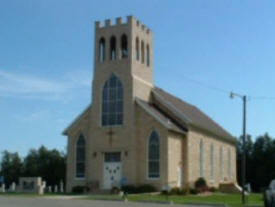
{"x":124,"y":48}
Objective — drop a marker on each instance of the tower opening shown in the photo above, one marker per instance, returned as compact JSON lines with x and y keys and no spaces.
{"x":101,"y":49}
{"x":124,"y":46}
{"x":137,"y":48}
{"x":142,"y":52}
{"x":112,"y":48}
{"x":147,"y":55}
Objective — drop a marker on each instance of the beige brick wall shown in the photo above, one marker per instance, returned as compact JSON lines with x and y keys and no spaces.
{"x":194,"y":138}
{"x":175,"y":157}
{"x":145,"y":124}
{"x":80,"y":128}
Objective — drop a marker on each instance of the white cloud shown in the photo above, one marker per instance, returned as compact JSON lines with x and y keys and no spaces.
{"x":21,"y":85}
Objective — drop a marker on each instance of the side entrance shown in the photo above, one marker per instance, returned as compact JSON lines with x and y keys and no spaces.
{"x":112,"y":170}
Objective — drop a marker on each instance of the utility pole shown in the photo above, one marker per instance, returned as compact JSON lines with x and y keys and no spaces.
{"x":232,"y":95}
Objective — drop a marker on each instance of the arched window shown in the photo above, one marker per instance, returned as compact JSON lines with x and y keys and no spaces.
{"x":212,"y":162}
{"x":112,"y":48}
{"x":201,"y":159}
{"x":80,"y":157}
{"x":221,"y":163}
{"x":112,"y":102}
{"x":124,"y":46}
{"x":142,"y":52}
{"x":229,"y":164}
{"x":154,"y":156}
{"x":137,"y":48}
{"x":101,"y":50}
{"x":147,"y":55}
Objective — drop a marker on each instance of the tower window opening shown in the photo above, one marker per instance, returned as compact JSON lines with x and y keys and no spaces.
{"x":112,"y":48}
{"x":137,"y":48}
{"x":142,"y":52}
{"x":101,"y":50}
{"x":124,"y":46}
{"x":147,"y":55}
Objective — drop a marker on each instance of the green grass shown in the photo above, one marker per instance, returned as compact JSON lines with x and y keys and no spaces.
{"x":233,"y":200}
{"x":105,"y":197}
{"x":227,"y":199}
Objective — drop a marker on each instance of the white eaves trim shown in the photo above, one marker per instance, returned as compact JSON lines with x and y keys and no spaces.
{"x":65,"y":132}
{"x":166,"y":124}
{"x":173,"y":108}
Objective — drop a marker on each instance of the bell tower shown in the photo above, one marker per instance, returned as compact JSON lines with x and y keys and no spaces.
{"x":124,"y":49}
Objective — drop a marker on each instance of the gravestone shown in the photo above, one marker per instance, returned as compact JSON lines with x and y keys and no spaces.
{"x":13,"y":187}
{"x":50,"y":189}
{"x":3,"y":188}
{"x":31,"y":185}
{"x":55,"y":188}
{"x":272,"y":185}
{"x":61,"y":187}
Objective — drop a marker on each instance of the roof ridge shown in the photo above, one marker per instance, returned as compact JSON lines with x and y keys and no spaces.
{"x":198,"y":117}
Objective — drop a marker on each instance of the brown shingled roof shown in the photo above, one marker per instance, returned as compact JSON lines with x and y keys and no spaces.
{"x":194,"y":116}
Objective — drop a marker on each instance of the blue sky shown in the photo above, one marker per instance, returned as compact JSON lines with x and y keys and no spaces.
{"x":46,"y":61}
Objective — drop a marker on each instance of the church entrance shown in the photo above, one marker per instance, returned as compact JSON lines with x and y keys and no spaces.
{"x":112,"y":170}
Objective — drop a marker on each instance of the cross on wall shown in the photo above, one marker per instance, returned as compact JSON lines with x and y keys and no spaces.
{"x":110,"y":133}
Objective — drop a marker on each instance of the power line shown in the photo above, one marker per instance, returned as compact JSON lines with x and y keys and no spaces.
{"x":224,"y":91}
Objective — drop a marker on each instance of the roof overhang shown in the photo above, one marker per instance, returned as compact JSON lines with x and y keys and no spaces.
{"x":76,"y":120}
{"x":166,"y":123}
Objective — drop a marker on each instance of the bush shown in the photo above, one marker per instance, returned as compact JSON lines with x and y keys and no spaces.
{"x":146,"y":189}
{"x":194,"y":191}
{"x":79,"y":189}
{"x":115,"y":190}
{"x":213,"y":189}
{"x":129,"y":189}
{"x":185,"y":191}
{"x":175,"y":191}
{"x":201,"y":185}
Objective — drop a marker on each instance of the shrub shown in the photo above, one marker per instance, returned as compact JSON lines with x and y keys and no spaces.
{"x":194,"y":191}
{"x":213,"y":189}
{"x":79,"y":189}
{"x":185,"y":191}
{"x":201,"y":185}
{"x":175,"y":191}
{"x":115,"y":190}
{"x":164,"y":192}
{"x":146,"y":189}
{"x":129,"y":189}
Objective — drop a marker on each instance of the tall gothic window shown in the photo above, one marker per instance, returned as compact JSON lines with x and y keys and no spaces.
{"x":147,"y":55}
{"x":212,"y":162}
{"x":154,"y":156}
{"x":80,"y":157}
{"x":142,"y":52}
{"x":112,"y":102}
{"x":101,"y":50}
{"x":124,"y":46}
{"x":201,"y":159}
{"x":112,"y":48}
{"x":137,"y":48}
{"x":221,"y":163}
{"x":229,"y":164}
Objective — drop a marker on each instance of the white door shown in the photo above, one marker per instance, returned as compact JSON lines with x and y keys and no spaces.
{"x":112,"y":170}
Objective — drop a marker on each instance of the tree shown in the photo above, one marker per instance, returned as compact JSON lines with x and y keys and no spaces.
{"x":11,"y":167}
{"x":48,"y":164}
{"x":260,"y":159}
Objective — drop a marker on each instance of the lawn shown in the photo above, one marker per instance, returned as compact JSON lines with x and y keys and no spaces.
{"x":218,"y":198}
{"x":233,"y":200}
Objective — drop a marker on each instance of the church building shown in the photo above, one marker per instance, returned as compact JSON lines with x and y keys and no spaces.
{"x":137,"y":133}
